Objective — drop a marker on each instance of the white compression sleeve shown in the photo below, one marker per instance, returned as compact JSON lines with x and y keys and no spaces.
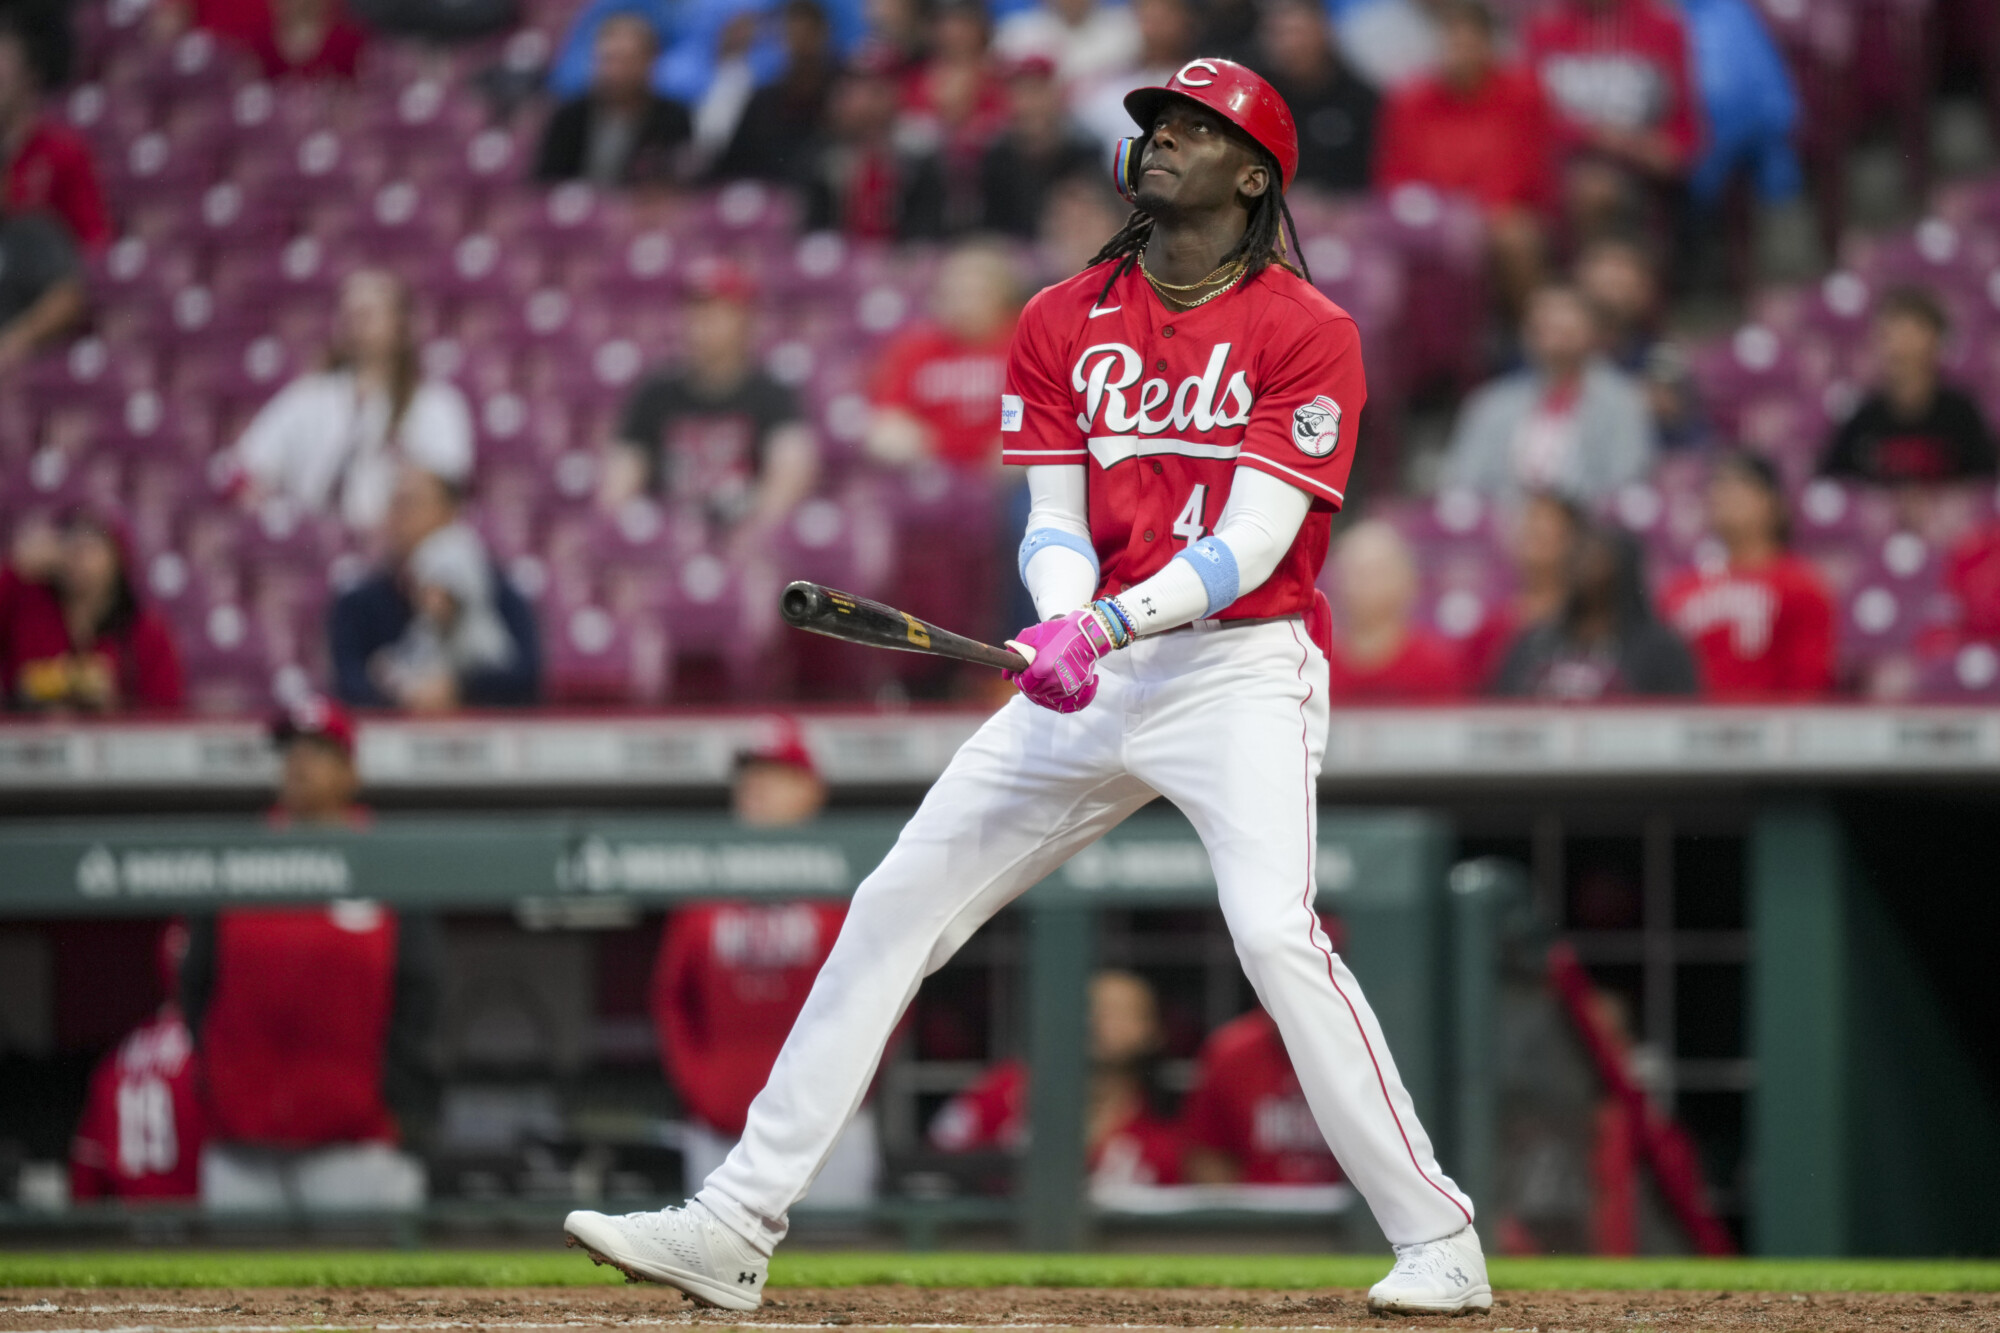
{"x":1058,"y":564}
{"x":1257,"y":527}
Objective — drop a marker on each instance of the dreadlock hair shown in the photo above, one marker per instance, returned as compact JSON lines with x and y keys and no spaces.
{"x":1263,"y":243}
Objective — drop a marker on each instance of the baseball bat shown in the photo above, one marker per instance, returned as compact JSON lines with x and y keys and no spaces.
{"x":842,"y":615}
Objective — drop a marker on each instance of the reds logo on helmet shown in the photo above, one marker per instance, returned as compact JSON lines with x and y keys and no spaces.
{"x":1316,"y":427}
{"x":1232,"y":91}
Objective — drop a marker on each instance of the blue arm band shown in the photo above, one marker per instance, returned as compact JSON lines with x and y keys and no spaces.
{"x":1215,"y":563}
{"x":1042,"y":538}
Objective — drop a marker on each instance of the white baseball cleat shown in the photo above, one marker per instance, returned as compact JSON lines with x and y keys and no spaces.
{"x":1445,"y":1276}
{"x":682,"y":1247}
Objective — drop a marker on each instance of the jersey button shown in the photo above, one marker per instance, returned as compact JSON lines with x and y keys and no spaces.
{"x":1149,"y":534}
{"x":1167,"y":332}
{"x":1160,"y":366}
{"x":1157,"y":469}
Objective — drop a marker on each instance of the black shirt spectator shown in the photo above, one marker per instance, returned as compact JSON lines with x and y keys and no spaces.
{"x":1912,"y":428}
{"x":862,"y":177}
{"x":702,"y":445}
{"x":41,"y":285}
{"x":1334,"y":109}
{"x":781,"y":118}
{"x":619,"y":132}
{"x":1607,"y":643}
{"x":1038,"y":148}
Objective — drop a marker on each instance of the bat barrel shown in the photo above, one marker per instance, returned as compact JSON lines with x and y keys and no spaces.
{"x":803,"y":603}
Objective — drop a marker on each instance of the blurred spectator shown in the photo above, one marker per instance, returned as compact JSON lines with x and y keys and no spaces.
{"x":1749,"y":106}
{"x":1480,"y":128}
{"x":861,"y":176}
{"x":1620,"y":281}
{"x":438,"y":627}
{"x":76,"y":635}
{"x":311,"y":1024}
{"x":731,"y":978}
{"x":1674,"y":399}
{"x":1380,"y":653}
{"x":1245,"y":1119}
{"x":1761,"y":623}
{"x":1168,"y":31}
{"x":1037,"y":148}
{"x":49,"y":165}
{"x":1127,"y":1141}
{"x":1334,"y":109}
{"x":771,"y":139}
{"x":899,"y":33}
{"x":714,"y":119}
{"x":437,"y":20}
{"x":41,"y":286}
{"x":289,"y":38}
{"x":1570,"y":421}
{"x":1972,"y":574}
{"x":619,"y":131}
{"x":1911,"y":428}
{"x":1389,"y":42}
{"x":45,"y":27}
{"x":141,"y":1133}
{"x":317,"y":779}
{"x":333,"y":440}
{"x":1087,"y":40}
{"x":934,"y":390}
{"x":1541,"y":545}
{"x":1606,"y":643}
{"x":1080,"y":214}
{"x":715,"y":433}
{"x":1616,"y":73}
{"x":957,"y":100}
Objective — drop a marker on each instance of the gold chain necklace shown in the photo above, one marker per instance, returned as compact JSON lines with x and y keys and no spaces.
{"x":1185,"y":306}
{"x":1163,"y":287}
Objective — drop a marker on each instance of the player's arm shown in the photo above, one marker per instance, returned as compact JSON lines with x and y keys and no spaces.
{"x":1257,"y":527}
{"x":1038,"y":431}
{"x":1058,"y":562}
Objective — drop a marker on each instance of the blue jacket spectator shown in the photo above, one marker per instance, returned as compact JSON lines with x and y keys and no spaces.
{"x":1748,"y":101}
{"x":689,"y":36}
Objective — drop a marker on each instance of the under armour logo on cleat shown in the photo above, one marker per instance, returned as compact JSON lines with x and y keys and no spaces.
{"x":750,"y":1279}
{"x":1458,"y":1275}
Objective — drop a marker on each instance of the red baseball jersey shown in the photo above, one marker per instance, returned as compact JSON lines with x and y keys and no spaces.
{"x":142,"y":1127}
{"x":1617,"y":66}
{"x":1757,"y":633}
{"x":1163,"y":406}
{"x":948,"y":384}
{"x":728,"y":985}
{"x":295,"y":1034}
{"x":993,"y":1114}
{"x":1246,"y":1104}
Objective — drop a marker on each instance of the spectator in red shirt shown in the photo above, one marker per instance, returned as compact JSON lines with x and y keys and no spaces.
{"x":731,"y":978}
{"x":1618,"y":77}
{"x":1480,"y":128}
{"x":933,"y":395}
{"x":302,"y":38}
{"x":1246,"y":1120}
{"x":76,"y":635}
{"x":142,"y":1128}
{"x":1380,"y":655}
{"x":1127,"y":1141}
{"x":1761,"y":624}
{"x":49,"y":166}
{"x":958,"y":98}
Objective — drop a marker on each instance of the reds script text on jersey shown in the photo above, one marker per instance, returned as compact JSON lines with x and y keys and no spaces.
{"x":1170,"y":403}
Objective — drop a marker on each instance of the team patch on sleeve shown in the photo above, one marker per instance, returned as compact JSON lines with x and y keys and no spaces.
{"x":1010,"y":412}
{"x":1316,"y":427}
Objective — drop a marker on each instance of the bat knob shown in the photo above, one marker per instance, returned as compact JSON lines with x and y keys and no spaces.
{"x":802,"y":603}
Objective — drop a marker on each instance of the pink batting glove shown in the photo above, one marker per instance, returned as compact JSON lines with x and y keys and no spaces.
{"x":1062,"y":660}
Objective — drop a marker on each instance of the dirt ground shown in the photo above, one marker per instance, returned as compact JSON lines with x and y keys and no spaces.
{"x":56,"y":1310}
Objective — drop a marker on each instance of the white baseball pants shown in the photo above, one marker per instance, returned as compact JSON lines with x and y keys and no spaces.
{"x":1230,"y":725}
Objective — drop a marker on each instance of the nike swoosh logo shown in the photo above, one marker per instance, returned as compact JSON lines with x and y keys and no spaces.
{"x":1103,"y":310}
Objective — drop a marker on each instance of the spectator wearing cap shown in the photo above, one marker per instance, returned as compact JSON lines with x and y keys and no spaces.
{"x":730,"y":979}
{"x":332,"y":441}
{"x":1605,"y":643}
{"x":715,"y":433}
{"x":932,"y":396}
{"x":618,"y":132}
{"x":1913,"y":428}
{"x":1037,"y":148}
{"x":1626,"y":118}
{"x":76,"y":635}
{"x":772,"y":139}
{"x":317,"y":779}
{"x":862,"y":177}
{"x":1085,"y":40}
{"x":1570,"y":421}
{"x":1380,"y":653}
{"x":1479,"y":127}
{"x":1334,"y":108}
{"x":437,"y":627}
{"x":1759,"y":620}
{"x":49,"y":165}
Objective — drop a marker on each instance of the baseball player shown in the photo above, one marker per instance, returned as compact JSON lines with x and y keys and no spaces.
{"x":1185,"y":408}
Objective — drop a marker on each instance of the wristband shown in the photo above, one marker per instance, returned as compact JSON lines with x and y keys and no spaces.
{"x":1116,"y":628}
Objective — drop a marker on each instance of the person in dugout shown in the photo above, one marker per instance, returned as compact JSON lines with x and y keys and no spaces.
{"x":142,"y":1128}
{"x":1127,"y":1140}
{"x":731,"y":978}
{"x":311,"y":1022}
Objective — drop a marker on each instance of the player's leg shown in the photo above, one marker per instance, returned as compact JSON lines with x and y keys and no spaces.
{"x":1254,"y":802}
{"x":1027,"y":791}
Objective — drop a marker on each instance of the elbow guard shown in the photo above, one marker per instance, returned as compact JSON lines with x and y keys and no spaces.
{"x":1215,"y":565}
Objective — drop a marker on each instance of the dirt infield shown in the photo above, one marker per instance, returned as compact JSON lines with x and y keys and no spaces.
{"x":53,"y":1310}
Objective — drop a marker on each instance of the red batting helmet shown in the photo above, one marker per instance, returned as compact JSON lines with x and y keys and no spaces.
{"x":1237,"y":94}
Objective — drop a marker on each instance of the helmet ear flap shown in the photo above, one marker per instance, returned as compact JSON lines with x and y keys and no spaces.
{"x":1125,"y":167}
